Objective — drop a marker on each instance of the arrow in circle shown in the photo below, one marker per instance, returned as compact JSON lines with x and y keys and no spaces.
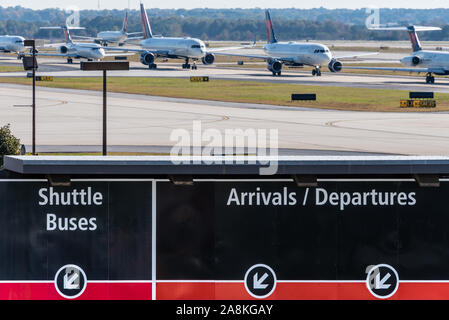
{"x":380,"y":284}
{"x":258,"y":283}
{"x":69,"y":282}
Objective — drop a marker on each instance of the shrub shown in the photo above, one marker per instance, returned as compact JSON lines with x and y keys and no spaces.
{"x":9,"y":145}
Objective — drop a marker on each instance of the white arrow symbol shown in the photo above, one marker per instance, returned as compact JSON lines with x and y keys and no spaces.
{"x":380,"y":284}
{"x":69,"y":282}
{"x":258,"y":283}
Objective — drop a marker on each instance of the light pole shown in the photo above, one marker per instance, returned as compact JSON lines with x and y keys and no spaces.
{"x":104,"y":66}
{"x":34,"y":66}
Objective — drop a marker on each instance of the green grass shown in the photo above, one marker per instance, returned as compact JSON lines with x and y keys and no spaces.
{"x":341,"y":98}
{"x":10,"y":69}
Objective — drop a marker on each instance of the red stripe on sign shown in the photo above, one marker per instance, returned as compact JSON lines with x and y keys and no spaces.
{"x":185,"y":291}
{"x":94,"y":291}
{"x":298,"y":291}
{"x":284,"y":291}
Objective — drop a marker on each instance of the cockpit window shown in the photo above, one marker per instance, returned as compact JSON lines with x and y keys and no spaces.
{"x":321,"y":51}
{"x":196,"y":46}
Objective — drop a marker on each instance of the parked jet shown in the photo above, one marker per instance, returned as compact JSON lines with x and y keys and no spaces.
{"x":12,"y":44}
{"x":72,"y":50}
{"x":295,"y":54}
{"x":173,"y":48}
{"x":120,"y":37}
{"x":420,"y":61}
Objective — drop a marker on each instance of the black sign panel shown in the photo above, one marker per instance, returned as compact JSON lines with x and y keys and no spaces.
{"x":334,"y":233}
{"x":224,"y":240}
{"x":101,"y":228}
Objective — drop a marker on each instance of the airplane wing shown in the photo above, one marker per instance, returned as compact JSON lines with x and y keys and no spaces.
{"x":134,"y":33}
{"x":124,"y":49}
{"x":85,"y":38}
{"x":159,"y":53}
{"x":214,"y":50}
{"x":263,"y":57}
{"x":52,"y":45}
{"x":119,"y":54}
{"x":56,"y":55}
{"x":403,"y":28}
{"x":356,"y":56}
{"x":133,"y":39}
{"x":417,"y":70}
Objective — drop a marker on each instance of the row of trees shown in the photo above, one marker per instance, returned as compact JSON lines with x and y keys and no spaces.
{"x":347,"y":16}
{"x":227,"y":26}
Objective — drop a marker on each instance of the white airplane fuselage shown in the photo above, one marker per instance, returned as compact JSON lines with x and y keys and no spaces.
{"x":427,"y":59}
{"x":83,"y":50}
{"x":11,"y":44}
{"x":176,"y":47}
{"x":312,"y":54}
{"x":113,"y":36}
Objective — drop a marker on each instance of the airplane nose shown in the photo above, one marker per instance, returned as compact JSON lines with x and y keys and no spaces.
{"x":327,"y":57}
{"x":101,"y":54}
{"x":406,"y":61}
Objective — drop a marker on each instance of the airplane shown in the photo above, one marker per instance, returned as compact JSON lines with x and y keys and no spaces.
{"x":295,"y":54}
{"x":153,"y":47}
{"x":420,"y":61}
{"x":120,"y":37}
{"x":12,"y":44}
{"x":72,"y":50}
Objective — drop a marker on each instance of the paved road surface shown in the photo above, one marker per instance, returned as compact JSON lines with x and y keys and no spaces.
{"x":70,"y":117}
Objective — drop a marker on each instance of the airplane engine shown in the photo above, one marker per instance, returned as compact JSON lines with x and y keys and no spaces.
{"x":335,"y":66}
{"x":416,"y":60}
{"x":208,"y":59}
{"x":147,"y":58}
{"x":63,"y":49}
{"x":274,"y":66}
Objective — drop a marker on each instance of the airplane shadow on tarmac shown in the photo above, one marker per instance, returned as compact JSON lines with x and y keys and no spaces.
{"x":160,"y":69}
{"x":417,"y":83}
{"x":267,"y":75}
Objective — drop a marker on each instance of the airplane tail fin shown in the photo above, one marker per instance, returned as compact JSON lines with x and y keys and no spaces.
{"x":68,"y":37}
{"x":125,"y":23}
{"x":145,"y":23}
{"x":271,"y":37}
{"x":416,"y":44}
{"x":66,"y":29}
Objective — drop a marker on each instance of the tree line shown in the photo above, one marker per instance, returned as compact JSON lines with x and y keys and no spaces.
{"x":229,"y":24}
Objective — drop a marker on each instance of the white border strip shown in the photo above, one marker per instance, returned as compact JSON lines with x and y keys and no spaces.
{"x":217,"y":281}
{"x":111,"y":180}
{"x":23,"y":180}
{"x":88,"y":281}
{"x":153,"y":239}
{"x":220,"y":180}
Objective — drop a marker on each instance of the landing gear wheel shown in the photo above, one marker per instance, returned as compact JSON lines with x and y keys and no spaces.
{"x":430,"y":79}
{"x":194,"y":67}
{"x":186,"y":65}
{"x":152,"y":66}
{"x":318,"y":73}
{"x":69,"y":61}
{"x":279,"y":73}
{"x":314,"y":72}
